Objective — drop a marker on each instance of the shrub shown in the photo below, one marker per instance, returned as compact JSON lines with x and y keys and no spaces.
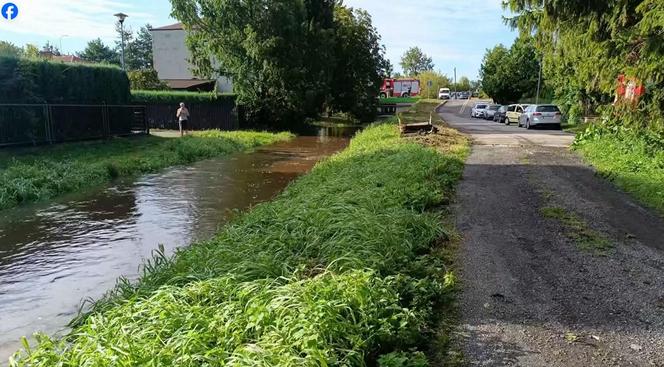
{"x":39,"y":81}
{"x":146,"y":79}
{"x":175,"y":97}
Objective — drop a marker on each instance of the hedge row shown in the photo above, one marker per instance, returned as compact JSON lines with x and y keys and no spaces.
{"x":40,"y":81}
{"x":175,"y":97}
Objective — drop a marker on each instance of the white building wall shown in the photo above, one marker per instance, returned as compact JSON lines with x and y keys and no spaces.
{"x":171,"y":55}
{"x":171,"y":58}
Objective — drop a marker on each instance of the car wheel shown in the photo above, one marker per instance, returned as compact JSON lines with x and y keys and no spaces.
{"x":405,"y":95}
{"x":507,"y":121}
{"x":383,"y":95}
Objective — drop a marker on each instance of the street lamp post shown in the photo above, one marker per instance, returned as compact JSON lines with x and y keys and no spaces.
{"x":121,"y":18}
{"x":61,"y":37}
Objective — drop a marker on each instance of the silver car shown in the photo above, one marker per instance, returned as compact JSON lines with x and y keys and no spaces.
{"x":490,"y":111}
{"x":478,"y":110}
{"x":540,"y":114}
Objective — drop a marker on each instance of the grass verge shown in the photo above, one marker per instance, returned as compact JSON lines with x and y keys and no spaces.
{"x":41,"y":173}
{"x":394,"y":100}
{"x":630,"y":163}
{"x":340,"y":270}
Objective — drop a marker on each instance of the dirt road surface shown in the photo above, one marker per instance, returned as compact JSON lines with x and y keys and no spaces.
{"x":559,"y":268}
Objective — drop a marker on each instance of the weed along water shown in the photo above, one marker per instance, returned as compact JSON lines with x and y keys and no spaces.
{"x":55,"y":255}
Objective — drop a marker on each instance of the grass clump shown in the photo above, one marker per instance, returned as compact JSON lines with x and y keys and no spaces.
{"x":630,"y":161}
{"x":35,"y":174}
{"x":578,"y":230}
{"x":337,"y":271}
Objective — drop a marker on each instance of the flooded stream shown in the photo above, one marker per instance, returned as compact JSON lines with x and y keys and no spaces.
{"x":53,"y":256}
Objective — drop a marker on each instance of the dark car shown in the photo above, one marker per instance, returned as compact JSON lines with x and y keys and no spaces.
{"x":500,"y":115}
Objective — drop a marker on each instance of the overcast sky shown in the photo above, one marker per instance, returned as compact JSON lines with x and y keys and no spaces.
{"x":453,"y":32}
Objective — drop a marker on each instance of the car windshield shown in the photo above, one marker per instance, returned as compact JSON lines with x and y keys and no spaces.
{"x":547,"y":109}
{"x":480,"y":106}
{"x":494,"y":108}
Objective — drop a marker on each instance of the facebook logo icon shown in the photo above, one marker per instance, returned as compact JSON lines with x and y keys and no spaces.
{"x":9,"y":11}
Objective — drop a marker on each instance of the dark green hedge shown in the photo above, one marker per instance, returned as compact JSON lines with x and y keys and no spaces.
{"x":39,"y":81}
{"x":175,"y":97}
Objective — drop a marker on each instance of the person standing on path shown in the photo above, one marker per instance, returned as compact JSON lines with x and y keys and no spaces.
{"x":183,"y":118}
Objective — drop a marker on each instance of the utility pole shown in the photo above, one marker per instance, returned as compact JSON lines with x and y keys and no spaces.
{"x":121,"y":17}
{"x":455,"y":84}
{"x":539,"y":83}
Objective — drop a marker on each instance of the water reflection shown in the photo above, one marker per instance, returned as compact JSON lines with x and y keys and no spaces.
{"x":54,"y":256}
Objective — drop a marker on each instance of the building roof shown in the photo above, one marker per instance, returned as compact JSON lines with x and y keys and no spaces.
{"x":172,"y":27}
{"x":186,"y":83}
{"x":67,"y":58}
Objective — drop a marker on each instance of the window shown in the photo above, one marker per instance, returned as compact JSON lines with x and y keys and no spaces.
{"x":550,"y":108}
{"x":511,"y":108}
{"x":480,"y":106}
{"x":519,"y":109}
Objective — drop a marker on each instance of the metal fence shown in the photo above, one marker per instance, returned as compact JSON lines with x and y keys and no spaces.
{"x":33,"y":124}
{"x":222,"y":116}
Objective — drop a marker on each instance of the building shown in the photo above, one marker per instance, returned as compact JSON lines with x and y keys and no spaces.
{"x":49,"y":55}
{"x":171,"y":61}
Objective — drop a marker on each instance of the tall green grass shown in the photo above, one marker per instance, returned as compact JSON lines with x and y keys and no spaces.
{"x":336,"y":271}
{"x":45,"y":172}
{"x":629,"y":160}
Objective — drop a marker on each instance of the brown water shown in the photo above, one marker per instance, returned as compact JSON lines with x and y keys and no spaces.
{"x":54,"y":256}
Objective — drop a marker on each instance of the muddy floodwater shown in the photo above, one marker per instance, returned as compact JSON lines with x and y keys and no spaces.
{"x":54,"y":256}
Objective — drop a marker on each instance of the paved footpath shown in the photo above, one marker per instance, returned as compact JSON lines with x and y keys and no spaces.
{"x":532,"y":296}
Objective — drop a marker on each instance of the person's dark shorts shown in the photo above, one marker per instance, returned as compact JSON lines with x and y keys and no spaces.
{"x":184,"y":124}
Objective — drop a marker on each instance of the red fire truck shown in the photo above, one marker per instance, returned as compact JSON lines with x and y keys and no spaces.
{"x":400,"y":88}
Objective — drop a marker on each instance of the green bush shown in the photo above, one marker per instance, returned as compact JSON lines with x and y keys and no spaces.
{"x":175,"y":97}
{"x":335,"y":271}
{"x":39,"y":81}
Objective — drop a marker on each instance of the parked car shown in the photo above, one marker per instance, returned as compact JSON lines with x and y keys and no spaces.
{"x":500,"y":115}
{"x":478,"y":110}
{"x":514,"y":111}
{"x":490,"y":111}
{"x":542,"y":114}
{"x":444,"y":93}
{"x":463,"y":95}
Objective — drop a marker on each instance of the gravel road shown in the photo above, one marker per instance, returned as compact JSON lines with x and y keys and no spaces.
{"x":533,"y":296}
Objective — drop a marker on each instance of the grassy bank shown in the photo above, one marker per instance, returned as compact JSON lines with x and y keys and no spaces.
{"x":338,"y":270}
{"x":630,"y":162}
{"x":41,"y":173}
{"x":393,"y":100}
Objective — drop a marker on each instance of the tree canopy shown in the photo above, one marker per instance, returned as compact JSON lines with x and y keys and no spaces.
{"x":8,"y":49}
{"x":97,"y":52}
{"x":510,"y":74}
{"x":586,"y":45}
{"x":414,"y":62}
{"x":283,"y":55}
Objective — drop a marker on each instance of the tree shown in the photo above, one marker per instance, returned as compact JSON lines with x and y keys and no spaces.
{"x":509,"y":75}
{"x":287,"y":58}
{"x":145,"y":79}
{"x":414,"y":62}
{"x":437,"y":79}
{"x":360,"y":64}
{"x":586,"y":45}
{"x":463,"y":84}
{"x":97,"y":52}
{"x":30,"y":51}
{"x":138,"y":52}
{"x":8,"y":49}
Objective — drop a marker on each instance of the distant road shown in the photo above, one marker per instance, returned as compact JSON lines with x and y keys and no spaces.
{"x":532,"y":296}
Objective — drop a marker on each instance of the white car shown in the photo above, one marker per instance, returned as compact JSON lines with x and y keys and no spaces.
{"x":540,"y":114}
{"x":444,"y":93}
{"x":478,"y":110}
